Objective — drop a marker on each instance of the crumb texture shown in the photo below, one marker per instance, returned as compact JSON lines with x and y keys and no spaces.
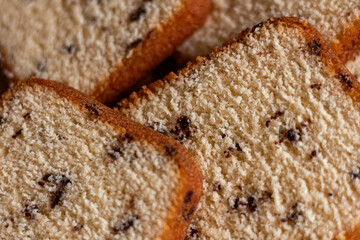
{"x":64,"y":174}
{"x":230,"y":17}
{"x":354,"y":67}
{"x":276,"y":136}
{"x":76,"y":41}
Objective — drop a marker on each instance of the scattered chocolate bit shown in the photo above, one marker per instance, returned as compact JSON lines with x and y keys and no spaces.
{"x":184,"y":122}
{"x":251,"y":204}
{"x":315,"y":47}
{"x":355,"y":173}
{"x":6,"y":225}
{"x":60,"y":190}
{"x":228,"y":153}
{"x":27,"y":116}
{"x":283,"y":220}
{"x":125,"y":224}
{"x":223,"y":135}
{"x":267,"y":123}
{"x":237,"y":146}
{"x":313,"y":154}
{"x":137,"y":13}
{"x":58,"y":180}
{"x":41,"y":67}
{"x":17,"y":134}
{"x":41,"y":183}
{"x":31,"y":210}
{"x":295,"y":214}
{"x":346,"y":79}
{"x":189,"y":213}
{"x":115,"y":153}
{"x":183,"y":129}
{"x":304,"y":124}
{"x":70,"y":49}
{"x":2,"y":120}
{"x":128,"y":137}
{"x":78,"y":227}
{"x":192,"y":234}
{"x":330,"y":194}
{"x":134,"y":44}
{"x":94,"y":109}
{"x":217,"y":187}
{"x":316,"y":86}
{"x":170,"y":150}
{"x":235,"y":204}
{"x":188,"y":196}
{"x":293,"y":135}
{"x":239,"y":187}
{"x":267,"y":196}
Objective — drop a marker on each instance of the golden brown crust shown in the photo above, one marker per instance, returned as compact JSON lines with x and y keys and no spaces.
{"x":347,"y":43}
{"x":158,"y":45}
{"x":345,"y":80}
{"x":190,"y":183}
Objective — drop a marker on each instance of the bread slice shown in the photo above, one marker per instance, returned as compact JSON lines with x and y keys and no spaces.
{"x":73,"y":169}
{"x":99,"y":47}
{"x":337,"y":20}
{"x":354,"y":67}
{"x":273,"y":117}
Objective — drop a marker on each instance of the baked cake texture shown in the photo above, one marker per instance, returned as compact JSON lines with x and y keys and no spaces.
{"x":337,"y":20}
{"x":73,"y":169}
{"x":99,"y":47}
{"x":354,"y":67}
{"x":273,"y":118}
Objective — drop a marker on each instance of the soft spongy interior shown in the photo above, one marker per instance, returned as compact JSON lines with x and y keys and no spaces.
{"x":230,"y":17}
{"x":74,"y":41}
{"x":276,"y":136}
{"x":66,"y":175}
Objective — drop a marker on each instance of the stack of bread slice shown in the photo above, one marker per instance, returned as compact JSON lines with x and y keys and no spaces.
{"x":257,"y":139}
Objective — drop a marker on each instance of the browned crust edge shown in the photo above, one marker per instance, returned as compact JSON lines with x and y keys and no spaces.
{"x":190,"y":182}
{"x":345,"y":80}
{"x":347,"y":43}
{"x":159,"y":44}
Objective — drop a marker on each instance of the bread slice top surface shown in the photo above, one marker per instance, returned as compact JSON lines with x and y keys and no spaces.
{"x":73,"y":169}
{"x":354,"y":67}
{"x":229,"y":17}
{"x":273,"y":116}
{"x":77,"y":42}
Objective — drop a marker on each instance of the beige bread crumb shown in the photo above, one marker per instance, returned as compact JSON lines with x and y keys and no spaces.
{"x":229,"y":17}
{"x":274,"y":119}
{"x":72,"y":169}
{"x":99,"y":47}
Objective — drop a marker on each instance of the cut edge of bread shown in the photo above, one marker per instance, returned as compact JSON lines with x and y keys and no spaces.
{"x":180,"y":215}
{"x":346,"y":81}
{"x":156,"y":47}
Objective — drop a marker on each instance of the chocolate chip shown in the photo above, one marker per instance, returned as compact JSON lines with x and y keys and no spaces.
{"x":277,"y":114}
{"x":293,"y":135}
{"x":78,"y":227}
{"x":59,"y":192}
{"x":183,"y":129}
{"x":313,"y":154}
{"x":41,"y":183}
{"x":251,"y":204}
{"x":217,"y":187}
{"x":128,"y":137}
{"x":267,"y":123}
{"x":134,"y":44}
{"x":355,"y":173}
{"x":316,"y":86}
{"x":189,"y":213}
{"x":17,"y":134}
{"x":346,"y":79}
{"x":315,"y":47}
{"x":115,"y":153}
{"x":170,"y":150}
{"x":304,"y":124}
{"x":235,"y":204}
{"x":93,"y":108}
{"x":184,"y":122}
{"x":330,"y":194}
{"x":188,"y":196}
{"x":31,"y":210}
{"x":27,"y":116}
{"x":125,"y":224}
{"x":137,"y":13}
{"x":192,"y":233}
{"x":2,"y":120}
{"x":41,"y":67}
{"x":295,"y":214}
{"x":70,"y":49}
{"x":267,"y":196}
{"x":237,"y":146}
{"x":283,"y":220}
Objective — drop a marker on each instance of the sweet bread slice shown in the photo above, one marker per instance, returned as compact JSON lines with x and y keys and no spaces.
{"x":338,"y":21}
{"x":274,"y":119}
{"x":98,"y":47}
{"x":70,"y":168}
